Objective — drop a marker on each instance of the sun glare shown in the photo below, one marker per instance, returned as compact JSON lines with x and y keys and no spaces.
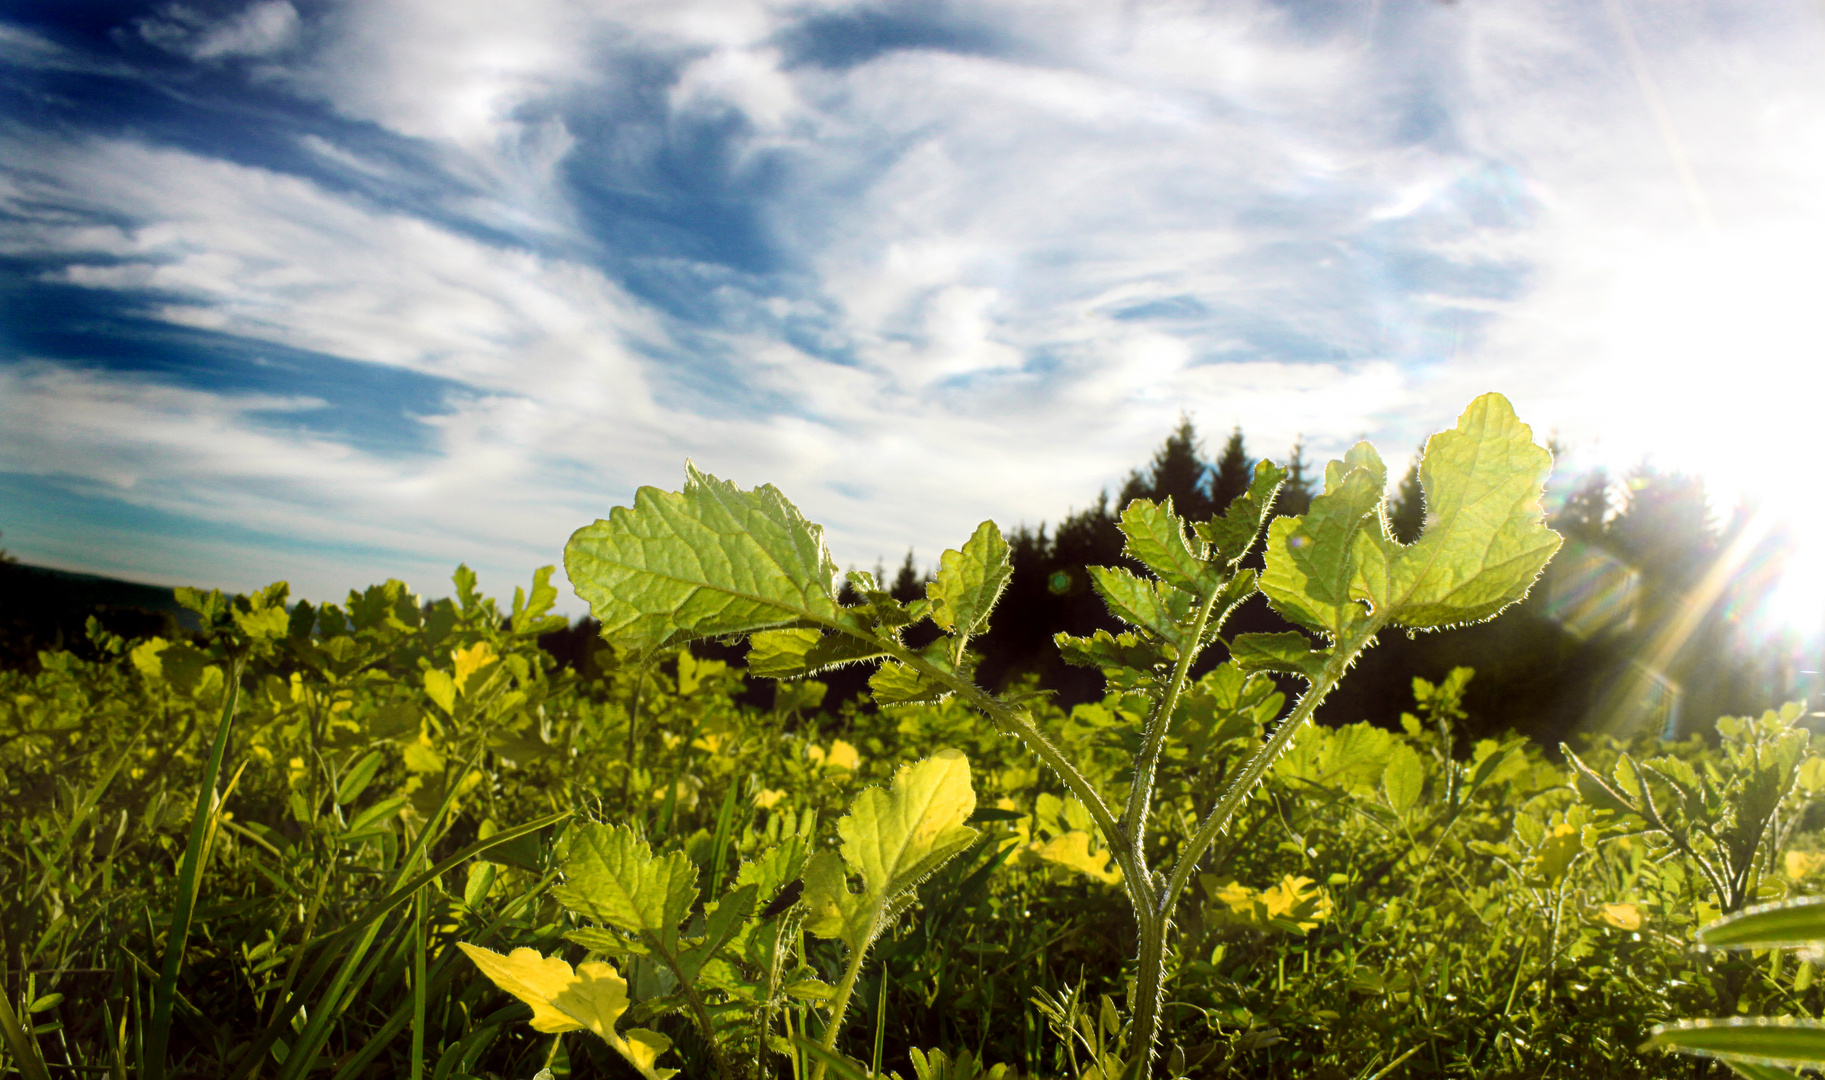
{"x":1710,"y":365}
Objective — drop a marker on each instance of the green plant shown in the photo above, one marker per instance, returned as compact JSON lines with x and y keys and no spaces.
{"x":715,"y":561}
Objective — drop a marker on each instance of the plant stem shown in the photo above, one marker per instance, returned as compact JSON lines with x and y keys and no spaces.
{"x":1140,"y":791}
{"x":841,"y":1004}
{"x":1159,"y":916}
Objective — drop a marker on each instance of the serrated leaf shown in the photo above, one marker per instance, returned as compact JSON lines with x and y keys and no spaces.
{"x":1403,"y":778}
{"x":1350,"y":503}
{"x":1485,"y":539}
{"x":1284,"y":584}
{"x":893,"y":683}
{"x":892,"y":840}
{"x":1785,"y":925}
{"x":1156,"y":538}
{"x":1785,"y":1040}
{"x":1105,"y":650}
{"x":707,"y":561}
{"x":613,"y":877}
{"x":1149,"y":605}
{"x":1235,"y":530}
{"x":591,"y":997}
{"x":790,"y":654}
{"x":970,"y":581}
{"x":1288,"y":651}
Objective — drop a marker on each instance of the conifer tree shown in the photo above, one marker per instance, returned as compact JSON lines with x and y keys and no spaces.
{"x":1296,"y":494}
{"x":1232,"y":473}
{"x":1176,"y":473}
{"x":908,"y":584}
{"x":1586,"y":512}
{"x":1407,"y":510}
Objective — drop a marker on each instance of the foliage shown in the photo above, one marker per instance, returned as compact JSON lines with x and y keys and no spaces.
{"x":428,"y":850}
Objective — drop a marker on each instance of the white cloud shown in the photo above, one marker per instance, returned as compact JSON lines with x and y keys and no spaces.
{"x":258,"y":30}
{"x":968,"y":238}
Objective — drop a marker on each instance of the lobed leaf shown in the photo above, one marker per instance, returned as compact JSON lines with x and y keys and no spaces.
{"x":1149,"y":605}
{"x":790,"y":654}
{"x":1234,"y":532}
{"x":970,"y":581}
{"x":1288,"y":651}
{"x":1156,"y":538}
{"x":592,"y":997}
{"x":1485,"y":538}
{"x":613,"y":877}
{"x":706,"y":561}
{"x":892,"y":840}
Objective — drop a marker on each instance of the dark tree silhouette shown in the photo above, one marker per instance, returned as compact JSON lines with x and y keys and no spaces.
{"x":1176,"y":473}
{"x":1407,"y":510}
{"x":909,"y":583}
{"x":1230,"y":477}
{"x":1586,"y":510}
{"x":1296,"y":494}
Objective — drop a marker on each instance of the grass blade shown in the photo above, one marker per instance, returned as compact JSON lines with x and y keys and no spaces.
{"x":158,"y":1032}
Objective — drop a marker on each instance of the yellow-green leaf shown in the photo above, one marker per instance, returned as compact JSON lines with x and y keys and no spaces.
{"x":1785,"y":1040}
{"x":970,"y":581}
{"x":613,"y":877}
{"x":706,"y":561}
{"x":591,"y":997}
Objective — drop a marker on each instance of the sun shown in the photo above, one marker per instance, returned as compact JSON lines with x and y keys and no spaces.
{"x":1710,"y":360}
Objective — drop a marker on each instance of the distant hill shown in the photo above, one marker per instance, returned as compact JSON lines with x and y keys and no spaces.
{"x":43,"y":608}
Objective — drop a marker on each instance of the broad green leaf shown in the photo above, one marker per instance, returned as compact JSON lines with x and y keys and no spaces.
{"x":709,"y":560}
{"x":1402,"y":780}
{"x":789,"y":654}
{"x":1485,"y":538}
{"x":1758,"y":1040}
{"x":893,"y":683}
{"x":1785,"y":925}
{"x":1288,"y":651}
{"x":970,"y":581}
{"x":1156,"y":538}
{"x":1149,"y":605}
{"x":892,"y":840}
{"x":831,"y":910}
{"x":1285,"y":585}
{"x":1234,"y":531}
{"x":613,"y":877}
{"x":1350,"y":503}
{"x":592,"y":997}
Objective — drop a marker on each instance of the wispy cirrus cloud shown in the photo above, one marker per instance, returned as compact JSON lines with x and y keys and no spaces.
{"x":444,"y":280}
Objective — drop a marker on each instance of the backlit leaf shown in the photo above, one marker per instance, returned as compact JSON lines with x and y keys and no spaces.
{"x":613,"y":877}
{"x":970,"y":581}
{"x":1149,"y":605}
{"x":1072,"y":850}
{"x":1235,"y":529}
{"x":592,"y":997}
{"x":1402,"y":780}
{"x":1485,"y":538}
{"x":1156,"y":538}
{"x":789,"y":654}
{"x":892,"y":840}
{"x":709,"y":560}
{"x":1288,"y":651}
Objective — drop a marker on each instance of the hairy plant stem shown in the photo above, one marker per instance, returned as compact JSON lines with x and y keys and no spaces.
{"x":840,"y":1005}
{"x":1140,"y":790}
{"x":1156,"y":919}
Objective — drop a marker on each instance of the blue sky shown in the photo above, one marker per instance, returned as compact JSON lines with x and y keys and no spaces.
{"x":335,"y":292}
